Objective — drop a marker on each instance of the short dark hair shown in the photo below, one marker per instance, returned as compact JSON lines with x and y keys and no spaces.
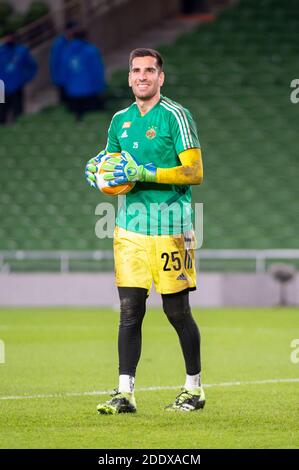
{"x":145,"y":52}
{"x":71,"y":24}
{"x":80,"y":33}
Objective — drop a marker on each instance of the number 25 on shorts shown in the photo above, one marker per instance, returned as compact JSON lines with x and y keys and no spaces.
{"x":173,"y":260}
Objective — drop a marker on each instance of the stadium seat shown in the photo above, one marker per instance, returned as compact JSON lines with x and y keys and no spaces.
{"x":234,"y":76}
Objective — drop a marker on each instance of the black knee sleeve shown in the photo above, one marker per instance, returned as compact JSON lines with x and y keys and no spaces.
{"x":132,"y":311}
{"x":178,"y":311}
{"x":177,"y":307}
{"x":132,"y":306}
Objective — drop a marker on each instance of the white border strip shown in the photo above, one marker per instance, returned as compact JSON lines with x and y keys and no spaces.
{"x":147,"y":389}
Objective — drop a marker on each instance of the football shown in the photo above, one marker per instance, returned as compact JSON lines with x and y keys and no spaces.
{"x":103,"y":184}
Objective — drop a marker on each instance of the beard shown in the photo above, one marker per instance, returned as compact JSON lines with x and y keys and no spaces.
{"x":144,"y":95}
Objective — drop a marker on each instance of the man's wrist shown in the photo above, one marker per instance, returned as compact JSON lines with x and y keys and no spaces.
{"x":149,"y":175}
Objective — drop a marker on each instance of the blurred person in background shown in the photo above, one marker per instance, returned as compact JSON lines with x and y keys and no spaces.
{"x":56,"y":55}
{"x":17,"y":67}
{"x":83,"y":75}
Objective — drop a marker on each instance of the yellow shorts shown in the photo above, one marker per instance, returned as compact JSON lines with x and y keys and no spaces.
{"x":167,"y":260}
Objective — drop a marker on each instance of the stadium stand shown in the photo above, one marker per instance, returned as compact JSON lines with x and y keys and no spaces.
{"x":234,"y":75}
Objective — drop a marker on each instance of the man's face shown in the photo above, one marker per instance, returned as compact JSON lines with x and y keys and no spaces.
{"x":145,"y":77}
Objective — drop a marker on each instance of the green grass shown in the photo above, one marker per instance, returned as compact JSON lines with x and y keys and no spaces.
{"x":57,"y":351}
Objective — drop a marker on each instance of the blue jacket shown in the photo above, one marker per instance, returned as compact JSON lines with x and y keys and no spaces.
{"x":17,"y":66}
{"x":82,"y":69}
{"x":55,"y":61}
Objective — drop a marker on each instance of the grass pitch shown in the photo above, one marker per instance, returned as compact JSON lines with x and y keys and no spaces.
{"x":56,"y":358}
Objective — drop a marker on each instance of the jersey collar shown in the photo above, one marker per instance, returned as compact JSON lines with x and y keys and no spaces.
{"x":146,"y":114}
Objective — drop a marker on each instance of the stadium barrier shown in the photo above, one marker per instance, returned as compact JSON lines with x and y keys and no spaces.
{"x":81,"y":261}
{"x":94,"y":289}
{"x":98,"y":290}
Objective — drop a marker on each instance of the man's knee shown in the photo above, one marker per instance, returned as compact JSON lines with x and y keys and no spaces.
{"x":132,"y":306}
{"x":176,"y":307}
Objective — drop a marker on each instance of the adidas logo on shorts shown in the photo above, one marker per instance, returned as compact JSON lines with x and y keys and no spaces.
{"x":181,"y":277}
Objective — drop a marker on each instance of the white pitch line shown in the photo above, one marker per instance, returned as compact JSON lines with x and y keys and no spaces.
{"x":147,"y":389}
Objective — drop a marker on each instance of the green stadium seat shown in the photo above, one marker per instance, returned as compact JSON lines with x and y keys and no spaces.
{"x":232,"y":75}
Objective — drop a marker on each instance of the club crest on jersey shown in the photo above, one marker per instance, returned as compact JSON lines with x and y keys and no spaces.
{"x":151,"y":133}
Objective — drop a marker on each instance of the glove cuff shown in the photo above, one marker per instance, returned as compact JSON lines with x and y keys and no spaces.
{"x":149,"y":173}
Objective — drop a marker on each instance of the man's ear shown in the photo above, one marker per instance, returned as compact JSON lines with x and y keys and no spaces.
{"x":161,"y":78}
{"x":129,"y":80}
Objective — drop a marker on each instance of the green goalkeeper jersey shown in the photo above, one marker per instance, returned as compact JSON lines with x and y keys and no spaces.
{"x":157,"y":137}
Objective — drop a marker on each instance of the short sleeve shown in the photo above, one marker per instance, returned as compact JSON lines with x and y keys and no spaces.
{"x":113,"y":144}
{"x":183,"y":130}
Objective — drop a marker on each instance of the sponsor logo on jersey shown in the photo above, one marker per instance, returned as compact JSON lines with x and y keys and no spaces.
{"x":127,"y":124}
{"x":181,"y":277}
{"x":151,"y":133}
{"x":124,"y":135}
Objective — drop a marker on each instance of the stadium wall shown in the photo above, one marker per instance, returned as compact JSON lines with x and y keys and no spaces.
{"x":93,"y":290}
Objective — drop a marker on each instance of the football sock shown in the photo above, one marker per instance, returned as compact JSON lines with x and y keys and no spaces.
{"x":192,"y":381}
{"x":126,"y":383}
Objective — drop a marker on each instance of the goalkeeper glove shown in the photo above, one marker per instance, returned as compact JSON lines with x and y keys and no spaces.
{"x":91,"y":168}
{"x":126,"y":169}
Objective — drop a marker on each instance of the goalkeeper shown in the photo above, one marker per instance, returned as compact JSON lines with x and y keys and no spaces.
{"x":160,"y":151}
